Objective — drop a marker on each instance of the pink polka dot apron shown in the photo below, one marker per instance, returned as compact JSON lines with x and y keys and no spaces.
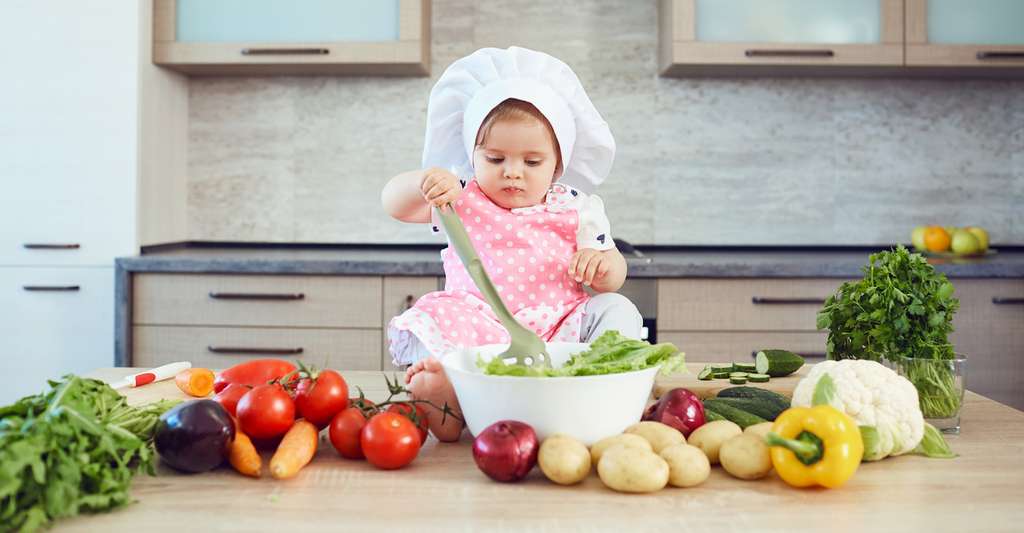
{"x":526,"y":252}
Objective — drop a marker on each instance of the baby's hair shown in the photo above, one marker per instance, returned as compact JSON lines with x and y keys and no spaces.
{"x":518,"y":111}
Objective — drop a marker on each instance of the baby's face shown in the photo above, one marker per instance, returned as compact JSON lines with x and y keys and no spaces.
{"x":516,"y":164}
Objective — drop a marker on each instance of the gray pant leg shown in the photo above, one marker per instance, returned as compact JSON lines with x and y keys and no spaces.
{"x":608,"y":311}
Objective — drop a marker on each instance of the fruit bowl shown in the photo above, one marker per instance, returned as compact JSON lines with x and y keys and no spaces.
{"x":954,"y":255}
{"x":588,"y":408}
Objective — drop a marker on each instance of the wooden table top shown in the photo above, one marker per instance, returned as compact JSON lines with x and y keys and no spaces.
{"x":982,"y":490}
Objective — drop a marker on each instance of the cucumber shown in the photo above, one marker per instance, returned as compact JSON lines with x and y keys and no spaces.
{"x":745,"y":367}
{"x":775,"y":400}
{"x":758,"y":378}
{"x":705,"y":375}
{"x":777,"y":363}
{"x":711,"y":416}
{"x":766,"y":410}
{"x":720,"y":374}
{"x":739,"y":416}
{"x":738,"y":380}
{"x":718,"y":367}
{"x":737,"y":374}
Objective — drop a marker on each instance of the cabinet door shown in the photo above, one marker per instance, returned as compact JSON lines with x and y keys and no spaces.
{"x":400,"y":293}
{"x":977,"y":33}
{"x":68,"y":133}
{"x":54,"y":321}
{"x":303,"y":36}
{"x":750,"y":36}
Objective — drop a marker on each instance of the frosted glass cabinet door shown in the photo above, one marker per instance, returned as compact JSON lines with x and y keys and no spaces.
{"x":746,"y":36}
{"x":297,"y":36}
{"x":966,"y":33}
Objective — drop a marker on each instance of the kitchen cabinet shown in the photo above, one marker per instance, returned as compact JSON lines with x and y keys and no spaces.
{"x":217,"y":320}
{"x":255,"y":37}
{"x":976,"y":35}
{"x":785,"y":36}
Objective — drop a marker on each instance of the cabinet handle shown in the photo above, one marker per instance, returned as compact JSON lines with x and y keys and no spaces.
{"x":789,"y":53}
{"x":258,"y":351}
{"x":985,"y":55}
{"x":998,"y":300}
{"x":256,"y":296}
{"x":785,"y":301}
{"x":805,"y":355}
{"x":409,"y":301}
{"x":51,"y":246}
{"x":285,"y":51}
{"x":51,"y":288}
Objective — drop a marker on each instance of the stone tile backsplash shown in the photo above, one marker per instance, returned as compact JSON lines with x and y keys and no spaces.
{"x":700,"y":161}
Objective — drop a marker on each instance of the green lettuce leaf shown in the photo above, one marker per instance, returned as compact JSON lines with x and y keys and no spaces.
{"x":611,"y":353}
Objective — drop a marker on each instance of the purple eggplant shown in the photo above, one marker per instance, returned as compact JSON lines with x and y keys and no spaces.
{"x":195,"y":436}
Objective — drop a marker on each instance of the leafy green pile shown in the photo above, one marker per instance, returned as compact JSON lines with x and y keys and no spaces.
{"x":901,"y":311}
{"x":72,"y":449}
{"x":611,"y":353}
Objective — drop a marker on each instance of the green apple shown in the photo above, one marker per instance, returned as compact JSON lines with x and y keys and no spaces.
{"x":981,"y":235}
{"x":964,"y":242}
{"x":950,"y":229}
{"x":917,"y":238}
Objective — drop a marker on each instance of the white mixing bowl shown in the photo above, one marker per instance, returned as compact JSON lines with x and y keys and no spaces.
{"x":588,"y":408}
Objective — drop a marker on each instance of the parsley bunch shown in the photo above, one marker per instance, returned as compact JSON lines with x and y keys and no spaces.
{"x":72,"y":449}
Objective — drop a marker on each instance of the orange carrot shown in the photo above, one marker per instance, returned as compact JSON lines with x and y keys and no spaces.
{"x":296,"y":450}
{"x":196,"y":382}
{"x":244,"y":456}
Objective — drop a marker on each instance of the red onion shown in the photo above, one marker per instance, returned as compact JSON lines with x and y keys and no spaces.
{"x":678,"y":408}
{"x":506,"y":450}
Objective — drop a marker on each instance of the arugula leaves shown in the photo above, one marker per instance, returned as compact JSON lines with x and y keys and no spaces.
{"x":70,"y":450}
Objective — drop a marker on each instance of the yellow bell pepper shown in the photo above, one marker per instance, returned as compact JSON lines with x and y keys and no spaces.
{"x":817,"y":445}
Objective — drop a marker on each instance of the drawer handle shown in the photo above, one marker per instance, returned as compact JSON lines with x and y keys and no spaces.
{"x":786,"y":301}
{"x":989,"y":55}
{"x":51,"y":288}
{"x":256,"y":296}
{"x":998,"y":300}
{"x":285,"y":51}
{"x":260,"y":351}
{"x":805,"y":355}
{"x":51,"y":246}
{"x":410,"y":300}
{"x":789,"y":53}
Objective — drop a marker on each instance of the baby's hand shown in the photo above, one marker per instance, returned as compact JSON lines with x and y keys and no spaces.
{"x":588,"y":264}
{"x":440,"y":187}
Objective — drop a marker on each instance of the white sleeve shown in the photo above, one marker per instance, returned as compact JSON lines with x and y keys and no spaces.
{"x":594,"y":230}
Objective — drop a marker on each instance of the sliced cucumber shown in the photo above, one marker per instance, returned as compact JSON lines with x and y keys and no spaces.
{"x":745,"y":367}
{"x":706,"y":374}
{"x":737,"y":374}
{"x":758,"y":378}
{"x":721,"y":366}
{"x":738,"y":380}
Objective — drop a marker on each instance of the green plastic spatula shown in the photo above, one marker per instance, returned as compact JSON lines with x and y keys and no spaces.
{"x":526,"y":347}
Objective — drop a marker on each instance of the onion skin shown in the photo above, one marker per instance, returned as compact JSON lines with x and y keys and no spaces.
{"x":678,"y":408}
{"x":506,"y":450}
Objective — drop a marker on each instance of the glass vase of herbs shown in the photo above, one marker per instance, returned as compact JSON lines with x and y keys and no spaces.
{"x":901,"y":314}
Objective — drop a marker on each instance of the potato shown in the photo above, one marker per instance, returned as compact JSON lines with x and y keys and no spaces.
{"x":628,"y":469}
{"x":710,"y":437}
{"x":687,"y":465}
{"x":659,"y":435}
{"x":760,"y":430}
{"x":564,"y":459}
{"x":625,"y":439}
{"x":746,"y":457}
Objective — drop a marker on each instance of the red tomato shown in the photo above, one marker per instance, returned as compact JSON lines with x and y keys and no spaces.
{"x":407,"y":410}
{"x":344,"y":432}
{"x":390,"y":441}
{"x":356,"y":402}
{"x":230,"y":395}
{"x":255,"y":372}
{"x":266,"y":412}
{"x":322,"y":397}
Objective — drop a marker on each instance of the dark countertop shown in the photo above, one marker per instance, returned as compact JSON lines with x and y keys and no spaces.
{"x":657,"y":261}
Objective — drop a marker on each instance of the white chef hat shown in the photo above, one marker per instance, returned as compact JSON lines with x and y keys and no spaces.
{"x":474,"y":85}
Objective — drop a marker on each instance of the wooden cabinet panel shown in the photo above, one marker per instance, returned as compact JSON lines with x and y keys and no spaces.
{"x":742,"y":304}
{"x":400,"y":293}
{"x":342,"y":349}
{"x":986,"y":35}
{"x":248,"y":300}
{"x":738,"y":346}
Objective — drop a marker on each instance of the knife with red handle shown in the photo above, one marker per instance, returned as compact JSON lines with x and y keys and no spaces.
{"x":149,"y":376}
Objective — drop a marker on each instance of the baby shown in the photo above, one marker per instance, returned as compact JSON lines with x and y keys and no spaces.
{"x":521,"y":138}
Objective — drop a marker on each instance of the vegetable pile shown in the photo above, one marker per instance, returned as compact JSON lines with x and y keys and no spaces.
{"x":72,"y":449}
{"x":611,"y":353}
{"x":901,"y":311}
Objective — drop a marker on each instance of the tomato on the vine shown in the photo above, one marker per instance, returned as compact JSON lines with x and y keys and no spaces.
{"x":229,"y":396}
{"x":266,"y":412}
{"x":390,"y":441}
{"x":407,"y":410}
{"x":320,"y":397}
{"x":344,"y":432}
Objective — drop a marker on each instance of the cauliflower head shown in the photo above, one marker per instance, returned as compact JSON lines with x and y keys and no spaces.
{"x":874,"y":396}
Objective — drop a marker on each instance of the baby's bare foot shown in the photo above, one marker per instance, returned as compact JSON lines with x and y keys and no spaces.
{"x":427,"y":381}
